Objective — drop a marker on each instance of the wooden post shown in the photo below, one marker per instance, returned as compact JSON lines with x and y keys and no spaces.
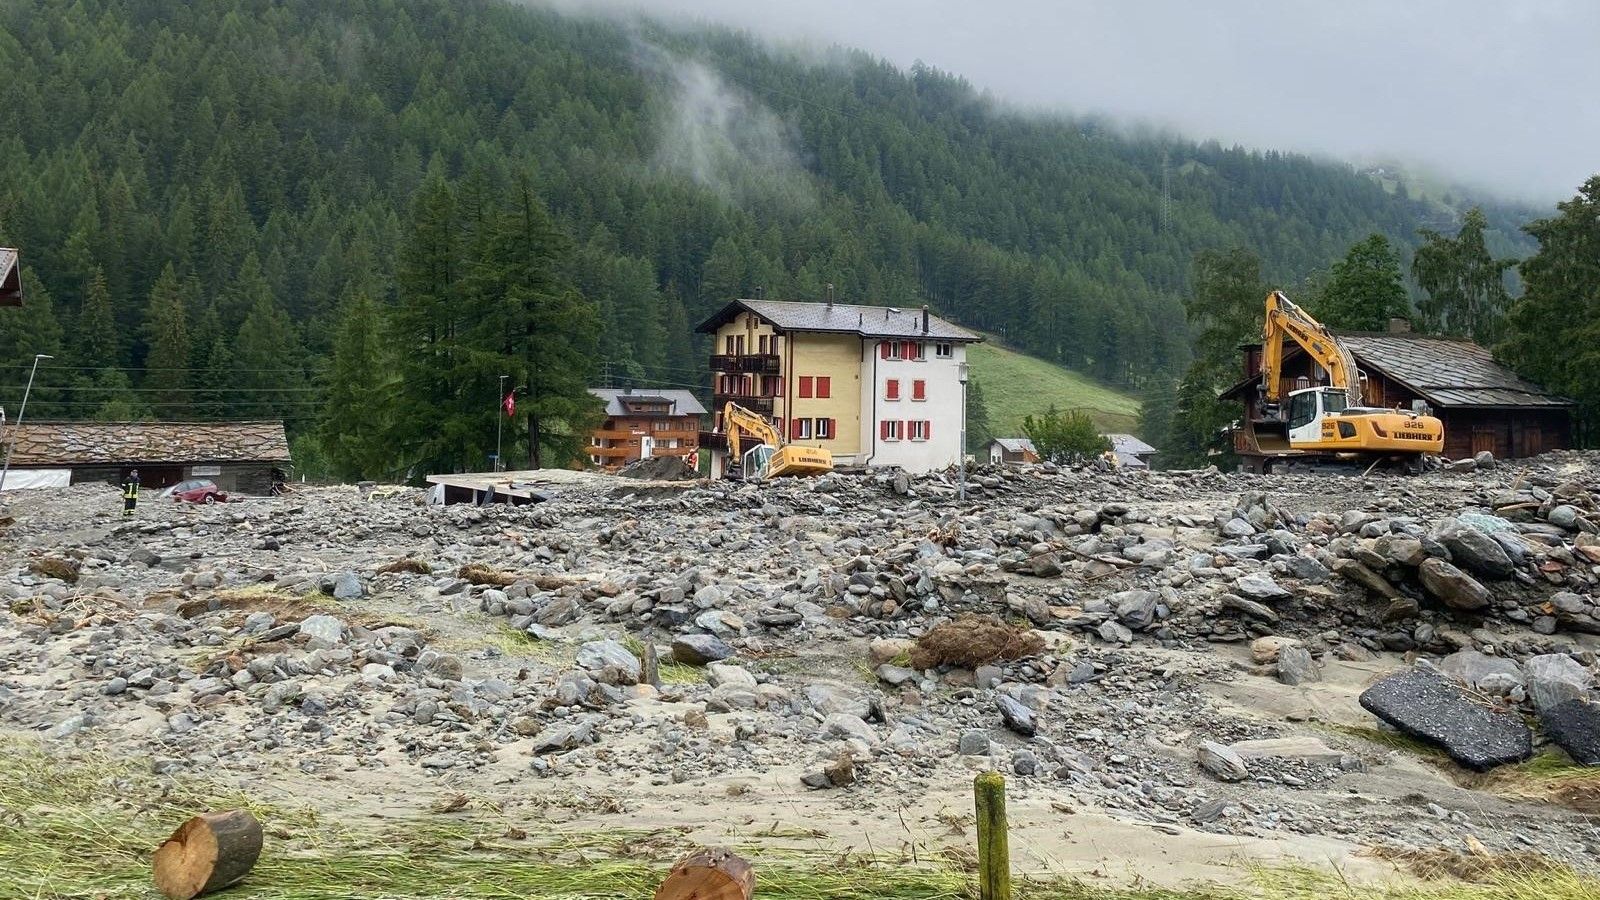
{"x":994,"y":855}
{"x":709,"y":875}
{"x":207,"y":853}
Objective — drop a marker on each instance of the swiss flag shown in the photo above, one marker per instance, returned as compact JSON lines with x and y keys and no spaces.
{"x":510,"y":404}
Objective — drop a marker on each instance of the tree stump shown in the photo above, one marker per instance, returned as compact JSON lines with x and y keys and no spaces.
{"x":207,"y":853}
{"x":709,"y":875}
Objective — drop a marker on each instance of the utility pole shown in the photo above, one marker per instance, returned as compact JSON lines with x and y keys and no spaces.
{"x":961,"y":451}
{"x":20,"y":413}
{"x":499,"y":423}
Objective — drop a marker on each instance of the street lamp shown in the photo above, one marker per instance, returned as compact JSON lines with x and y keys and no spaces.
{"x":20,"y":413}
{"x":499,"y":422}
{"x":961,"y":451}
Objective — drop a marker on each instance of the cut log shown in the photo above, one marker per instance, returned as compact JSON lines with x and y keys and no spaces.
{"x":208,"y":853}
{"x":709,"y":875}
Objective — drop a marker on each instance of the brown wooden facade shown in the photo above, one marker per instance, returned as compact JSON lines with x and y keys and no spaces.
{"x":670,"y":419}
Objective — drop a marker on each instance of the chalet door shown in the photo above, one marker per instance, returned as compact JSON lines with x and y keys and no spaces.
{"x":1482,"y":438}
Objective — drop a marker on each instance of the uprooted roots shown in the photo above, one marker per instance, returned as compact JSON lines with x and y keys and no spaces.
{"x":973,"y":641}
{"x":478,"y":573}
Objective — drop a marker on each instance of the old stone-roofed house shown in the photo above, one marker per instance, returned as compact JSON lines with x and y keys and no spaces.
{"x":1482,"y":404}
{"x":10,"y":278}
{"x":238,"y":456}
{"x":1130,"y":452}
{"x":1011,"y":451}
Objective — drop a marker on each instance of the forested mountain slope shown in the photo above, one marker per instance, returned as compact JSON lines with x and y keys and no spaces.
{"x":198,"y":189}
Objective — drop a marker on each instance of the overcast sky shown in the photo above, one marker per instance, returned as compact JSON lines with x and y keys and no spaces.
{"x":1503,"y":94}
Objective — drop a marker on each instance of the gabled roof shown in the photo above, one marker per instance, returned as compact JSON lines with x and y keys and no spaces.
{"x":118,"y":443}
{"x":841,"y":318}
{"x":1445,"y":371}
{"x":1448,"y":371}
{"x":683,"y":403}
{"x":10,"y":278}
{"x":1127,"y":443}
{"x":1015,"y":445}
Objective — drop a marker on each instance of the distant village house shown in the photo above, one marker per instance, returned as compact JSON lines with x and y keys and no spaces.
{"x":1129,"y":451}
{"x":240,"y":457}
{"x":1011,"y":451}
{"x":874,"y":385}
{"x":645,"y":424}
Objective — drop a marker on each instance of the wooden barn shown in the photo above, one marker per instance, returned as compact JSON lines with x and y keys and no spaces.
{"x":239,"y":456}
{"x":1483,"y":405}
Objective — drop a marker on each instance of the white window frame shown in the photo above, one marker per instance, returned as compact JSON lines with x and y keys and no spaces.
{"x":894,"y":430}
{"x":944,"y":351}
{"x":895,"y":351}
{"x":917,"y":429}
{"x":805,"y":429}
{"x":820,"y":429}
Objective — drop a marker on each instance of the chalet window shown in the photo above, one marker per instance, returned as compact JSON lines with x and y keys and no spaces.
{"x":919,"y":390}
{"x":890,"y":429}
{"x":761,"y":344}
{"x":892,"y":350}
{"x":824,"y":387}
{"x":805,"y":387}
{"x":802,"y":429}
{"x":727,"y":345}
{"x":738,"y":345}
{"x":914,"y":350}
{"x":920,"y":429}
{"x":891,"y":389}
{"x":944,"y":351}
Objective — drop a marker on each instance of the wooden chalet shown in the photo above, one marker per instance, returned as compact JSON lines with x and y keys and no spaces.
{"x":10,"y":278}
{"x":1483,"y":405}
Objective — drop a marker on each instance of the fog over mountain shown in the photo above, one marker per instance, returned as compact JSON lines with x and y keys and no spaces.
{"x":1499,"y":94}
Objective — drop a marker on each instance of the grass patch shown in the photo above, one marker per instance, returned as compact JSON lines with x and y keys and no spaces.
{"x":1394,"y":740}
{"x":1550,"y":777}
{"x":1017,"y":385}
{"x":84,"y":826}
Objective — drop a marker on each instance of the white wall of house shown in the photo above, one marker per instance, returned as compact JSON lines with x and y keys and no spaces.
{"x":927,"y":432}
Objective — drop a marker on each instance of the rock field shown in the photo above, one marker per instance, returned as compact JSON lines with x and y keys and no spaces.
{"x":1211,"y":660}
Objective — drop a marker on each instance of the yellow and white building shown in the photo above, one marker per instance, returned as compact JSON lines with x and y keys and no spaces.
{"x":874,"y":385}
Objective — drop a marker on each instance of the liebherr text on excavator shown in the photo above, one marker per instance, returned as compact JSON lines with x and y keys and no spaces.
{"x":1330,"y":422}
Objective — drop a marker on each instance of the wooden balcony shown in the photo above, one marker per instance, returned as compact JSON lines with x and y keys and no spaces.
{"x":759,"y":363}
{"x":761,"y":405}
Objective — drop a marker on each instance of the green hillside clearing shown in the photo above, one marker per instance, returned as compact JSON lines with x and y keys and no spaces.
{"x":1017,"y":385}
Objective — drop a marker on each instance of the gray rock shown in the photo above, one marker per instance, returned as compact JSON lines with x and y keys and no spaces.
{"x":1455,"y":588}
{"x":1250,"y":608}
{"x":323,"y":630}
{"x":974,"y":742}
{"x":1237,"y":528}
{"x":1016,"y":716}
{"x":66,"y":728}
{"x":1474,"y":550}
{"x":1136,"y":609}
{"x":1222,"y":762}
{"x":609,"y":662}
{"x":558,"y":738}
{"x":1564,"y":516}
{"x":699,"y":649}
{"x":1364,"y":575}
{"x":1113,"y":632}
{"x":1574,"y":725}
{"x":1260,"y":586}
{"x":1472,"y":668}
{"x":851,"y":728}
{"x":1427,"y":706}
{"x":1023,"y":762}
{"x":724,"y":675}
{"x":1555,"y":678}
{"x":1484,"y":459}
{"x":1296,"y":666}
{"x":896,"y":675}
{"x":987,"y":676}
{"x":348,"y":586}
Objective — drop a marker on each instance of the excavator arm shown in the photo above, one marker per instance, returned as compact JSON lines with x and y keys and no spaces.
{"x":1284,"y":319}
{"x":785,"y":460}
{"x":736,"y":417}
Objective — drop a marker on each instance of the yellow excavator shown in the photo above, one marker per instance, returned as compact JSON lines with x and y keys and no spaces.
{"x":1331,"y":422}
{"x":771,"y":458}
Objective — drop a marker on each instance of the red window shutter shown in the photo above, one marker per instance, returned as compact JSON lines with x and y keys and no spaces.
{"x":891,"y":389}
{"x":805,"y":386}
{"x":833,"y":429}
{"x":919,"y":390}
{"x":883,"y":349}
{"x":927,"y":429}
{"x":883,"y":430}
{"x":824,"y":386}
{"x":794,"y":429}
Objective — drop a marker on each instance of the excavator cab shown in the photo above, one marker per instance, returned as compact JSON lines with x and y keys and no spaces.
{"x":1309,"y":408}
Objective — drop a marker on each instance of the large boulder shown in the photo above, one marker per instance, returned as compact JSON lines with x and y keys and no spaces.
{"x":1136,"y":609}
{"x":1455,"y":588}
{"x":1482,"y":672}
{"x":1016,"y":716}
{"x":609,"y":662}
{"x":1260,"y":586}
{"x":1222,"y":762}
{"x":1474,"y":550}
{"x":1428,"y":706}
{"x":1296,"y":666}
{"x":1555,"y":678}
{"x":699,"y":649}
{"x":1574,"y":725}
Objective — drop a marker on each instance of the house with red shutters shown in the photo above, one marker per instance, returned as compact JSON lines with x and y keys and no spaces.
{"x":874,"y":385}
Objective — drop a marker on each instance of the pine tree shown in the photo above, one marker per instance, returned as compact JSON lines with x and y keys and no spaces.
{"x":979,"y":431}
{"x":1466,"y":286}
{"x":268,"y":364}
{"x":355,"y":417}
{"x":167,"y":362}
{"x":25,"y":332}
{"x":97,"y":343}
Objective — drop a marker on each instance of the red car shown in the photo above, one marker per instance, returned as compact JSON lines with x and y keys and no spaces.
{"x":198,"y":491}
